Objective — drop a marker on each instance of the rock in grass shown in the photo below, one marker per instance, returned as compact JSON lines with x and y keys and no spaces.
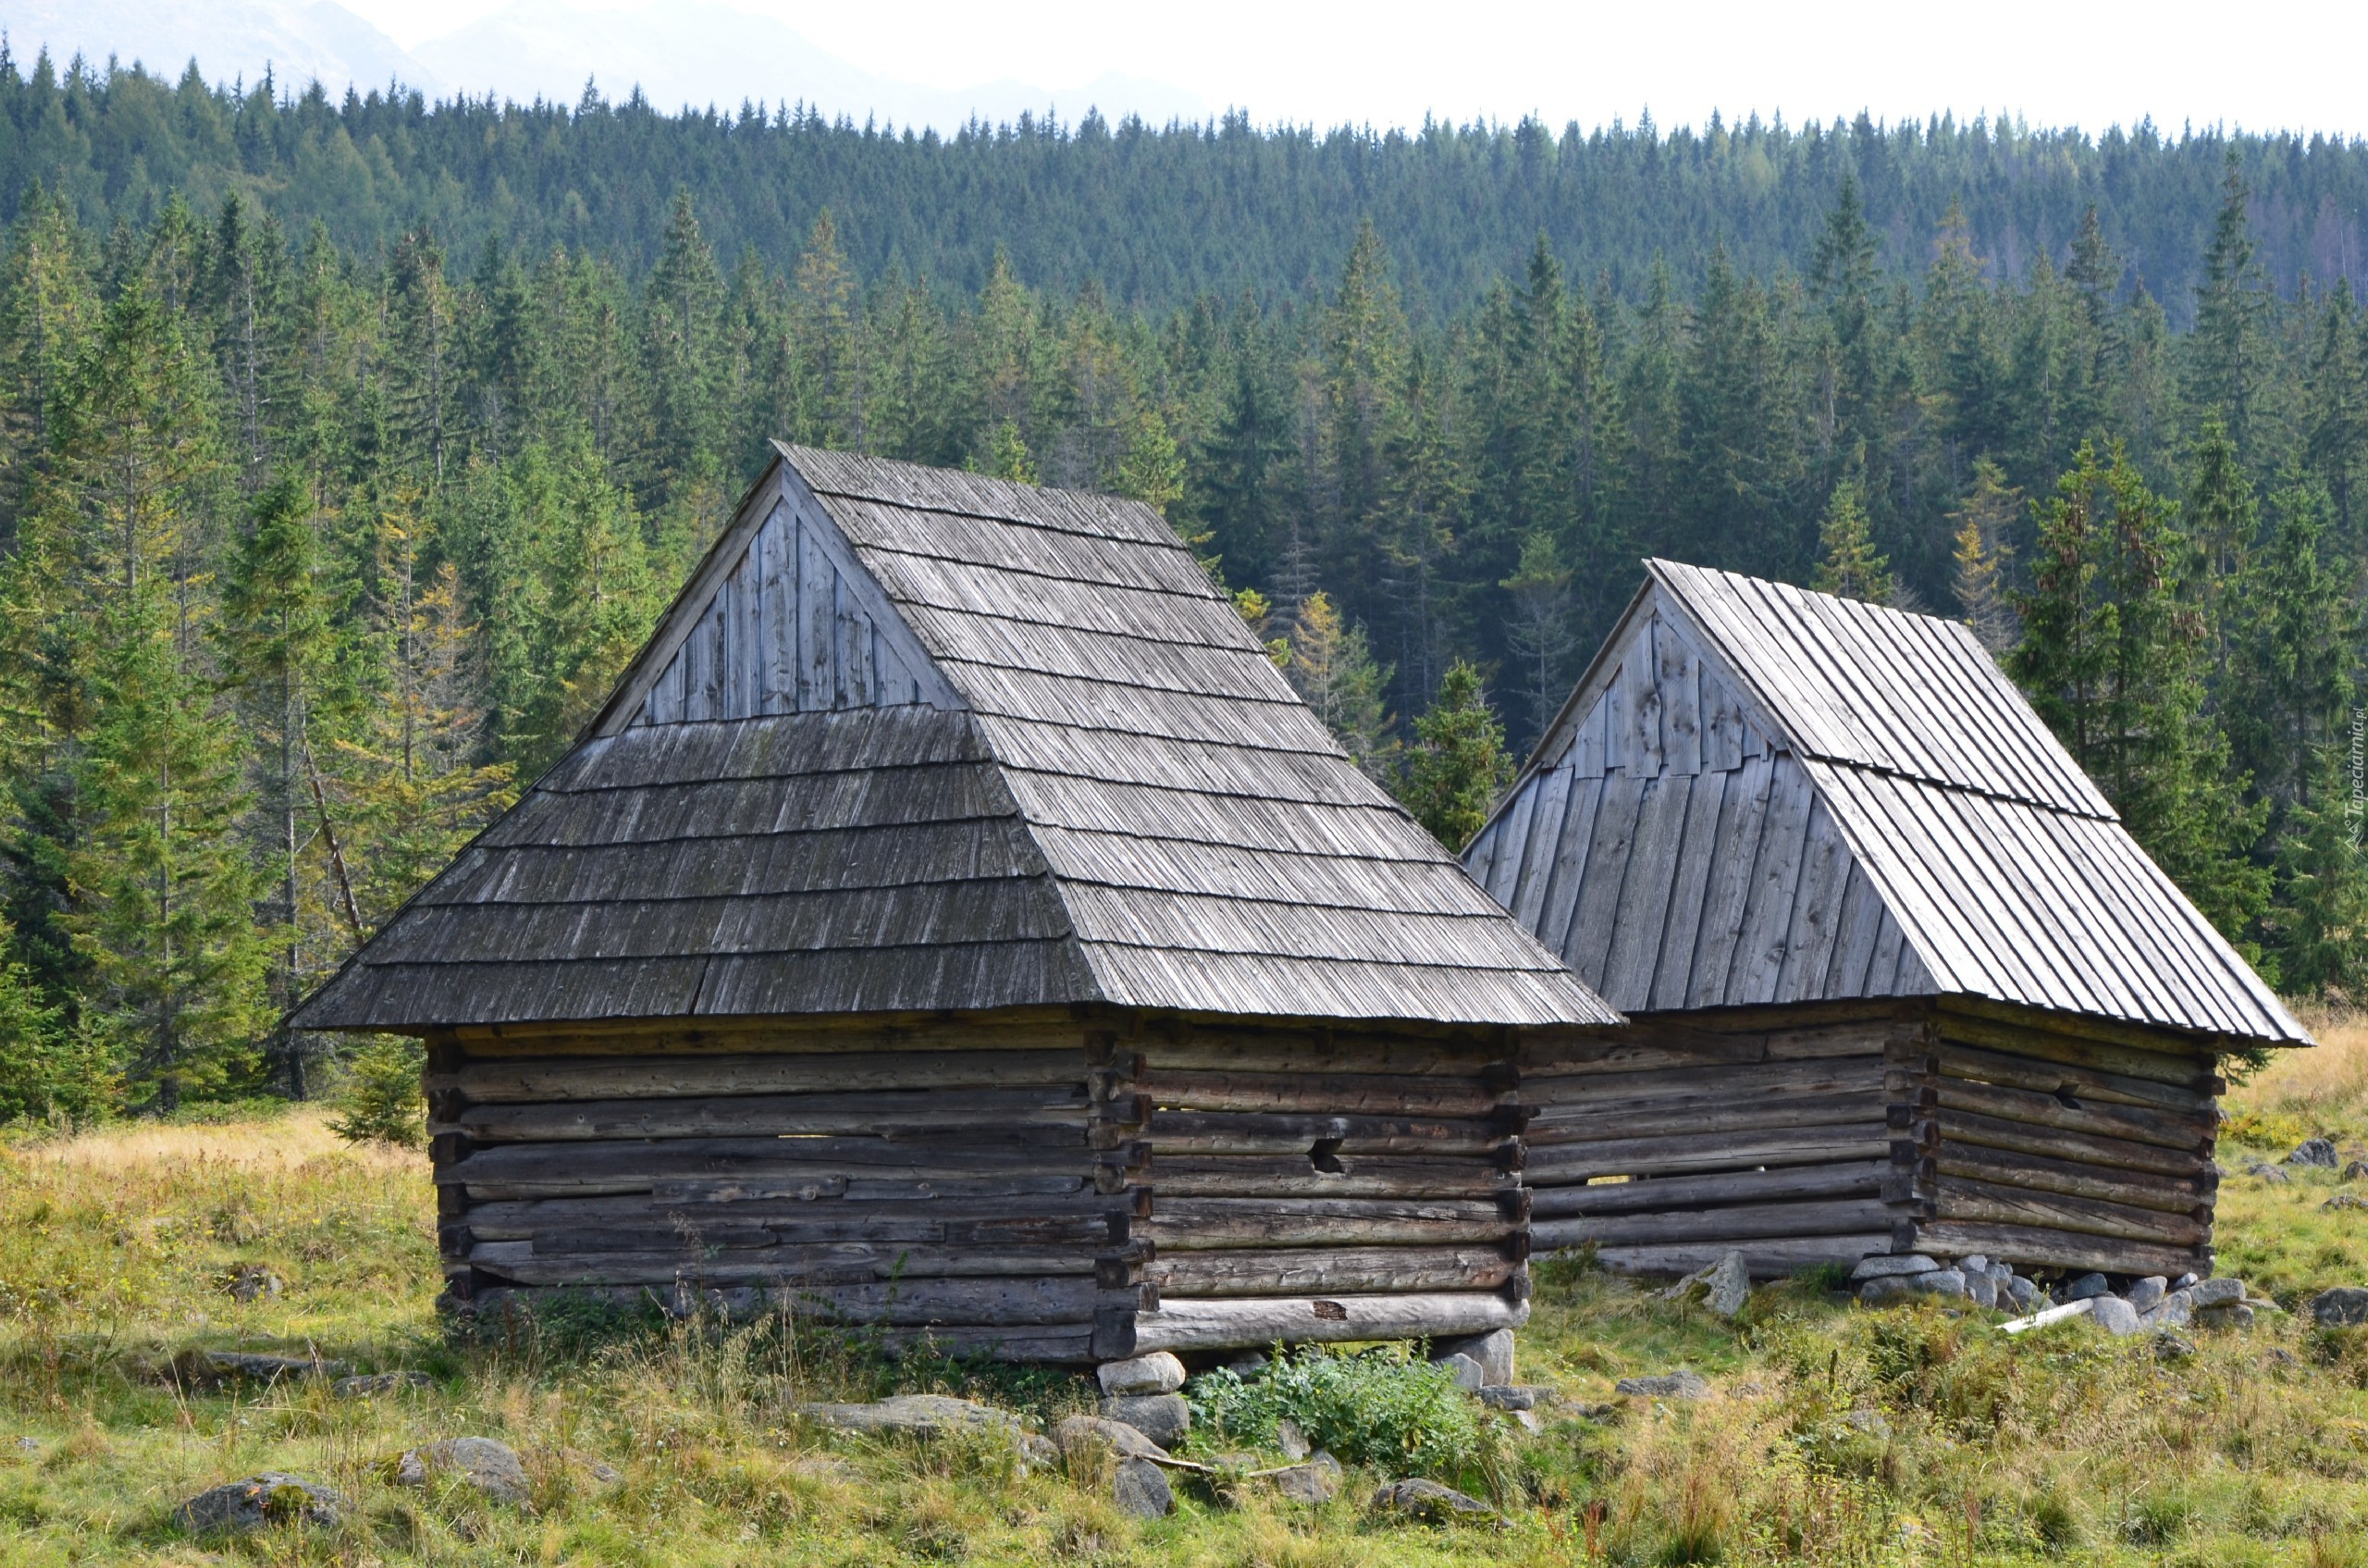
{"x":371,"y":1385}
{"x":1430,"y":1502}
{"x":1982,"y":1289}
{"x":1504,"y":1396}
{"x":208,"y":1369}
{"x":1292,"y":1439}
{"x":2082,"y":1288}
{"x":260,"y":1502}
{"x":2344,"y":1201}
{"x":1683,"y":1384}
{"x":1882,"y":1267}
{"x":1076,"y":1433}
{"x":2345,"y":1306}
{"x":2318,"y":1153}
{"x":489,"y":1466}
{"x":1493,"y":1351}
{"x":1314,"y":1483}
{"x":2354,"y":1171}
{"x":2172,"y":1347}
{"x":925,"y":1415}
{"x":2114,"y":1316}
{"x":1728,"y":1282}
{"x":1164,"y":1418}
{"x":2227,"y":1315}
{"x":2023,"y":1292}
{"x":2267,"y":1172}
{"x":1158,"y":1373}
{"x":1141,"y":1488}
{"x":251,"y":1282}
{"x":1466,"y":1372}
{"x":2218,"y":1292}
{"x":2175,"y":1311}
{"x":2147,"y":1293}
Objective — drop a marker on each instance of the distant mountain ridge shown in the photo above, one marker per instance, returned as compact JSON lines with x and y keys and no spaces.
{"x":691,"y":53}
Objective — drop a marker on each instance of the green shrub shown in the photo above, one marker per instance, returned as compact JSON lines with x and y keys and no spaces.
{"x":1381,"y":1406}
{"x":381,"y":1101}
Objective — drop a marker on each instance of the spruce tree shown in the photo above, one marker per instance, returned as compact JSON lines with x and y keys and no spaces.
{"x":1458,"y":765}
{"x":1331,"y":667}
{"x":1540,"y":630}
{"x":2226,"y":351}
{"x":1983,"y":556}
{"x":1849,"y":564}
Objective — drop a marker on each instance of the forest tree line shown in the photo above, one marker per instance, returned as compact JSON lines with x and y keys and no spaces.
{"x":311,"y":557}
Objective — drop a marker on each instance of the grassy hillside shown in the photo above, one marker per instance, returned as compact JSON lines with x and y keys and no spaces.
{"x":1835,"y":1435}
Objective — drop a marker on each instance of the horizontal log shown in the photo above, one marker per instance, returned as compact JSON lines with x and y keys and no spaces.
{"x":919,"y":1219}
{"x":656,"y":1159}
{"x":2022,"y":1137}
{"x":1260,"y":1321}
{"x":1194,"y":1224}
{"x":2165,"y":1060}
{"x":1371,"y":1094}
{"x":819,"y":1034}
{"x":1653,"y":1045}
{"x":1956,"y":1197}
{"x":1816,"y":1075}
{"x":803,"y":1186}
{"x":1360,"y":1176}
{"x":869,"y":1113}
{"x":985,"y":1302}
{"x":529,"y":1262}
{"x":1767,"y":1257}
{"x":1853,"y":1178}
{"x":516,"y":1080}
{"x":2035,"y":1248}
{"x":2170,"y":1194}
{"x":1677,"y":1155}
{"x":1702,"y":1116}
{"x":2168,"y":1130}
{"x":2088,"y":1085}
{"x":1831,"y":1217}
{"x":1036,"y":1344}
{"x":1314,"y":1270}
{"x":1328,"y":1051}
{"x":1247,"y":1132}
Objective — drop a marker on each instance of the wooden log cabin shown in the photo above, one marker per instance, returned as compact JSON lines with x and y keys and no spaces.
{"x":953,"y":924}
{"x":1899,"y":978}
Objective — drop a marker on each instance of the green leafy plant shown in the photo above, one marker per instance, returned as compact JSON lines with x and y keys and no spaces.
{"x":1381,"y":1406}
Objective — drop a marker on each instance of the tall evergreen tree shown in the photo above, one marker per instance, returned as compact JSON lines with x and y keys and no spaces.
{"x":1458,"y":764}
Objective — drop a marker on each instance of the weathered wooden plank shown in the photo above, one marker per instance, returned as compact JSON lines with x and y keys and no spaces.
{"x":1504,"y":875}
{"x":1329,"y":1094}
{"x":1309,"y":1270}
{"x":1857,"y":928}
{"x":1726,"y":1222}
{"x":1766,"y":1257}
{"x":2191,"y":1070}
{"x":1691,"y":865}
{"x":1586,"y":741}
{"x":1678,"y":676}
{"x":996,"y":1303}
{"x":676,"y":1157}
{"x":1609,"y":1095}
{"x":2087,"y":1083}
{"x":1552,"y":790}
{"x":1573,"y":844}
{"x":1708,"y":1115}
{"x":2022,"y":1137}
{"x":1684,"y":1153}
{"x":817,"y":623}
{"x":2031,"y":1246}
{"x":520,"y":1079}
{"x":1653,"y":1044}
{"x":1311,"y":1051}
{"x":1998,"y":1203}
{"x":1201,"y":1224}
{"x":1636,"y":953}
{"x":1643,"y":744}
{"x":1723,"y":726}
{"x":1587,"y":949}
{"x":2075,"y":1178}
{"x":1817,"y":908}
{"x":1852,"y":1179}
{"x":1743,"y":814}
{"x":1256,"y":1132}
{"x":1257,"y":1321}
{"x":840,"y":1264}
{"x":779,"y":1115}
{"x":1360,"y":1176}
{"x":851,"y":659}
{"x":2187,"y":1131}
{"x":1760,"y":949}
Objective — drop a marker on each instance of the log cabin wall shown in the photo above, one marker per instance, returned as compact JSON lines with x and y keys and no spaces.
{"x":1329,"y":1184}
{"x":1805,"y":1136}
{"x":947,"y":1178}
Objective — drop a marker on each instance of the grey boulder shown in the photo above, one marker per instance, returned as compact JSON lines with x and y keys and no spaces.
{"x":1141,"y":1488}
{"x":491,"y":1467}
{"x":1683,"y":1384}
{"x":1316,"y":1481}
{"x":2023,"y":1292}
{"x":1880,"y":1266}
{"x":260,"y":1502}
{"x":1430,"y":1502}
{"x":925,"y":1415}
{"x":1493,"y":1351}
{"x":2174,"y":1311}
{"x":1725,"y":1285}
{"x":1164,"y":1418}
{"x":2114,"y":1316}
{"x":1466,"y":1372}
{"x":212,"y":1368}
{"x":1504,"y":1396}
{"x":2227,"y":1315}
{"x":370,"y":1384}
{"x":2316,"y":1151}
{"x":2083,"y":1289}
{"x":1292,"y":1439}
{"x":2345,"y":1306}
{"x":1982,"y":1288}
{"x":1158,"y":1373}
{"x":2218,"y":1292}
{"x":2266,"y":1172}
{"x":1078,"y":1433}
{"x":2147,"y":1292}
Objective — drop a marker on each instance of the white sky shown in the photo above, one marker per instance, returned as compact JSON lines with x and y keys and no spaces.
{"x":2301,"y":65}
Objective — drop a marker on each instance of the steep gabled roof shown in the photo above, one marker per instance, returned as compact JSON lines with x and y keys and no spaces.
{"x":1866,"y":806}
{"x":916,"y":740}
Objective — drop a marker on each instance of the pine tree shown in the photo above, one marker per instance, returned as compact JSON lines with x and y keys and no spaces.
{"x":2337,"y":442}
{"x":1241,"y":480}
{"x":2221,"y":519}
{"x":2319,"y":925}
{"x":2296,"y":643}
{"x":1458,"y":763}
{"x":1850,"y":565}
{"x":49,"y":1071}
{"x":1983,"y":555}
{"x":1331,"y":667}
{"x":2225,"y":352}
{"x":1540,"y":630}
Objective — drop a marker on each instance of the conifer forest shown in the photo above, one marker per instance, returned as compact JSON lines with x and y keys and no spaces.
{"x":349,"y":451}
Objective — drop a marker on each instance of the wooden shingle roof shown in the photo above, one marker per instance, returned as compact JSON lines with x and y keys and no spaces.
{"x":1759,"y":793}
{"x":916,"y":740}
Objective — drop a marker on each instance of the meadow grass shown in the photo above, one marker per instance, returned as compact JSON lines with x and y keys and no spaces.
{"x":1835,"y":1435}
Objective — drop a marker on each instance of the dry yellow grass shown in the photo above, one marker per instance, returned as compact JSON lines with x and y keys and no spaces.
{"x":282,"y":1143}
